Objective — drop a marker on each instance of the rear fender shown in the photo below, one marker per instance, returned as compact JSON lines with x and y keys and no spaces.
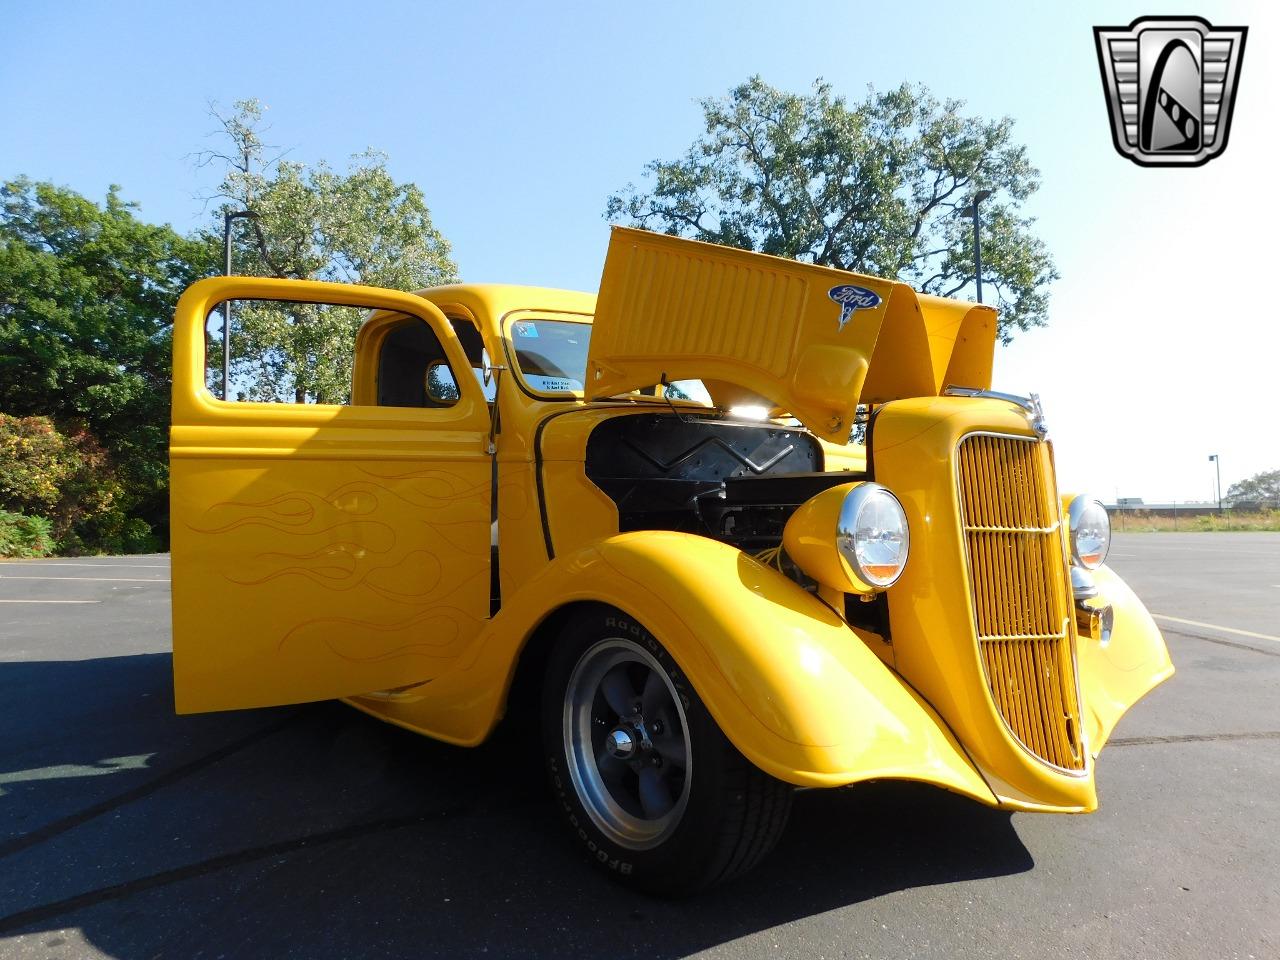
{"x":788,"y":682}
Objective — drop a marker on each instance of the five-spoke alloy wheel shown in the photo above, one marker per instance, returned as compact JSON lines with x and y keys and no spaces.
{"x":650,"y":785}
{"x":627,"y":741}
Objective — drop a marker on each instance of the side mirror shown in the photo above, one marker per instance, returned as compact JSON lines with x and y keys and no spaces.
{"x":441,"y":386}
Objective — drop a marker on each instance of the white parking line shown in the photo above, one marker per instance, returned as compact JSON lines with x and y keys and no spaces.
{"x":52,"y":563}
{"x":1214,"y":626}
{"x":50,"y":601}
{"x":62,"y":771}
{"x":4,"y":576}
{"x":1192,"y":548}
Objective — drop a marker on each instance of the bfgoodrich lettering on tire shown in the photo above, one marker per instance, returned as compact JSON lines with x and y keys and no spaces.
{"x":650,"y":787}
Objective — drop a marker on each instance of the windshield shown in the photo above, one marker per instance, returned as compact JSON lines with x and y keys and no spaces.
{"x":551,"y":357}
{"x":551,"y":354}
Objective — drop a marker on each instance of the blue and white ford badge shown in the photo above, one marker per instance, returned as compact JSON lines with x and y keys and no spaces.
{"x":851,"y":298}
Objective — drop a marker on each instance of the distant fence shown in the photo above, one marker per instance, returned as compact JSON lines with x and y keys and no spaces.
{"x":1191,"y":509}
{"x":1166,"y":510}
{"x":1252,"y":515}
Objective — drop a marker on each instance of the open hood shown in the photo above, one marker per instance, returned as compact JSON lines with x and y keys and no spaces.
{"x":813,"y":341}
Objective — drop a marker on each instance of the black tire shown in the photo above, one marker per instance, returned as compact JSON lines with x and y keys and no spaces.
{"x":729,"y":814}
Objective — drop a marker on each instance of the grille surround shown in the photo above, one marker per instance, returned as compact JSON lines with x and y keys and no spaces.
{"x":1015,"y":560}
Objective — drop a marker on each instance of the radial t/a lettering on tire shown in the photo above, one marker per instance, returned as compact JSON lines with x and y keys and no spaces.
{"x":648,"y":783}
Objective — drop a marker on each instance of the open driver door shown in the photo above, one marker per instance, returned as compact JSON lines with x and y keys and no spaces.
{"x":324,"y":550}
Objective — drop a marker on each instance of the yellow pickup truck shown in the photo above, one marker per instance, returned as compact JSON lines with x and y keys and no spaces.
{"x":638,"y":524}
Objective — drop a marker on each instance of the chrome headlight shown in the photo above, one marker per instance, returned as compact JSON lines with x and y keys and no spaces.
{"x":1090,"y":530}
{"x":852,"y":538}
{"x":872,"y":535}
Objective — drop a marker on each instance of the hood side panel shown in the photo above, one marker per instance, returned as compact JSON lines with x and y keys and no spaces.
{"x":962,"y":341}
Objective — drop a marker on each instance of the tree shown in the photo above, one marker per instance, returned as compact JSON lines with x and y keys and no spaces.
{"x":314,"y":223}
{"x":86,"y":306}
{"x":1261,"y":488}
{"x":874,"y":187}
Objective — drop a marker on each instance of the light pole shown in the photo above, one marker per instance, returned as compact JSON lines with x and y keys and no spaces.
{"x":972,"y":211}
{"x":226,"y":306}
{"x":1217,"y":465}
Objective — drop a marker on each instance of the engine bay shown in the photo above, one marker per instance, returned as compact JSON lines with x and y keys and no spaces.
{"x":732,"y":481}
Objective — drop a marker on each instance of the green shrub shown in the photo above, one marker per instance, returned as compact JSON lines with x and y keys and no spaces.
{"x":67,"y":476}
{"x":111,"y":532}
{"x":24,"y":536}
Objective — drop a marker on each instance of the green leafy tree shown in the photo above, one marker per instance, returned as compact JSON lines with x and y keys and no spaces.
{"x":875,"y":187}
{"x":311,"y":222}
{"x":86,"y":307}
{"x":1261,"y":488}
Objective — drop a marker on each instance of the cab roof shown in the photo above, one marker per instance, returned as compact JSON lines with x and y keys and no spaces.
{"x":497,"y":299}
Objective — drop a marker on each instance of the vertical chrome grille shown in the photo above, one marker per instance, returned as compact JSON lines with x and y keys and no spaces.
{"x":1019,"y":585}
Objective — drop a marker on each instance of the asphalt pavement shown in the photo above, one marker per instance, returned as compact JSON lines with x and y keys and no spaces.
{"x":315,"y":831}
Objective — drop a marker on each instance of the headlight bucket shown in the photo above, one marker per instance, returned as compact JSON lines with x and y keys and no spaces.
{"x":1090,"y":531}
{"x":853,"y":538}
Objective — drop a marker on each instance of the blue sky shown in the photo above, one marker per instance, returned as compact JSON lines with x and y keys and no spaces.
{"x":518,"y":120}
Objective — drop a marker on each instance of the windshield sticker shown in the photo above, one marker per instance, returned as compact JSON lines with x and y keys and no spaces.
{"x":526,"y":329}
{"x":553,"y":384}
{"x":852,"y":298}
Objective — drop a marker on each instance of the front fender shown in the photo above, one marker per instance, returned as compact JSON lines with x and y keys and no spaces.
{"x":792,"y":687}
{"x":1115,"y":677}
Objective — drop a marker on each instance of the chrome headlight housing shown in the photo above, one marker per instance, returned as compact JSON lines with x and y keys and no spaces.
{"x":1090,"y":530}
{"x":853,"y":538}
{"x":872,"y":535}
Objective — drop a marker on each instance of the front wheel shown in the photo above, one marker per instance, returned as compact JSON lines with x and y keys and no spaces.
{"x":650,"y":785}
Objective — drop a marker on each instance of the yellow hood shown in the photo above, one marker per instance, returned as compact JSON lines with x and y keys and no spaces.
{"x":814,"y":341}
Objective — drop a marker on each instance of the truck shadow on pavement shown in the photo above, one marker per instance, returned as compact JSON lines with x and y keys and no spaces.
{"x":317,"y":831}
